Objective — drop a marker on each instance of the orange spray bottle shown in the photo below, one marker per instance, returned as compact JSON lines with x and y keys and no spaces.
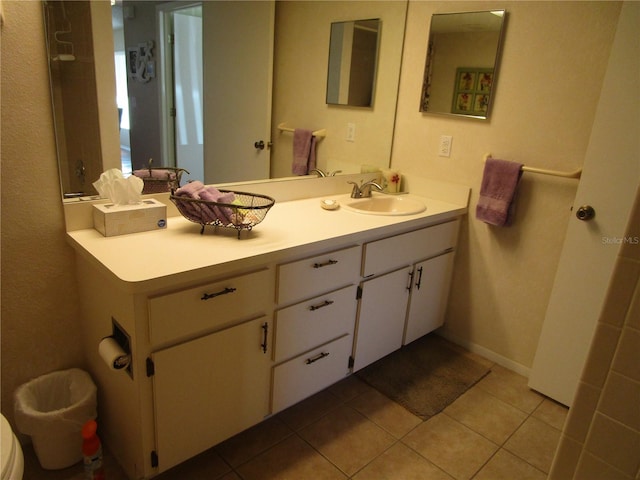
{"x":92,"y":452}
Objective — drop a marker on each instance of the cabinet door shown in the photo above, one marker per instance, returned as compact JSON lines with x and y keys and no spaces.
{"x":209,"y":389}
{"x":429,"y":295}
{"x":381,"y":319}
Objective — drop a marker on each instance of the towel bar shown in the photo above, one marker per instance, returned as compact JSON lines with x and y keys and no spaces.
{"x":574,"y":174}
{"x":318,"y":133}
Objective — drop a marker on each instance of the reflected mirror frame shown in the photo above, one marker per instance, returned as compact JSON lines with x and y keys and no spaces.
{"x":424,"y":95}
{"x":331,"y":81}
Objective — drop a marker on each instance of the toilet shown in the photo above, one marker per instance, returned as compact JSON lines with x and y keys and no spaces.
{"x":11,"y":459}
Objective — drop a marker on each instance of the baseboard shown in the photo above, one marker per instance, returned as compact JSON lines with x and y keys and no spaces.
{"x":486,"y":353}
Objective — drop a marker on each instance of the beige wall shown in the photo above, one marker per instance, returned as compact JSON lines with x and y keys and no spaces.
{"x":551,"y":72}
{"x":40,"y":314}
{"x":546,"y":99}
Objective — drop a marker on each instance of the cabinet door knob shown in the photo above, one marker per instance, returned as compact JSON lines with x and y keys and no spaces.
{"x":419,"y":278}
{"x":265,"y":331}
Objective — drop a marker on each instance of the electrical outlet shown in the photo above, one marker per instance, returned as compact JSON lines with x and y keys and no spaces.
{"x":444,"y":150}
{"x":351,"y":132}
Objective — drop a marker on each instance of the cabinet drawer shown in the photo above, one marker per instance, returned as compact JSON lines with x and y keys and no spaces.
{"x":393,"y":252}
{"x":210,"y":306}
{"x":307,"y":374}
{"x":313,"y":276}
{"x":302,"y":326}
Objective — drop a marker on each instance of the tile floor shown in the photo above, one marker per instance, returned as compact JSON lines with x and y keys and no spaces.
{"x":499,"y":429}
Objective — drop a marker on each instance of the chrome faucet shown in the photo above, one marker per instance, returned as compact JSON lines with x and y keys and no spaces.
{"x":320,"y":173}
{"x":364,"y":190}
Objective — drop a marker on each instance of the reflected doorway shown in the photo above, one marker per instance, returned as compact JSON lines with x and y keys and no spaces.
{"x":180,"y":52}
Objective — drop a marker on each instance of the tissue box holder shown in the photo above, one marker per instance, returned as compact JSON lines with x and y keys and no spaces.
{"x":111,"y":220}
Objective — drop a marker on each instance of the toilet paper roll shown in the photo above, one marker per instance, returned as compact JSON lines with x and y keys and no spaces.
{"x":113,"y":354}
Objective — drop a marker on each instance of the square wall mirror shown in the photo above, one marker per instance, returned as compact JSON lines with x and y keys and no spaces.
{"x":353,"y":56}
{"x":461,"y":67}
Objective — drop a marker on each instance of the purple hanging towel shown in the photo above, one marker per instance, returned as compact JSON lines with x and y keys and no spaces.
{"x":498,"y":192}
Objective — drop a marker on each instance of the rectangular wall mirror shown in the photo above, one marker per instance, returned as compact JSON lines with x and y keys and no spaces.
{"x":353,"y":55}
{"x":461,"y":67}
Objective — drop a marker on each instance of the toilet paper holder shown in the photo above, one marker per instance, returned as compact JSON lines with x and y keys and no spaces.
{"x":122,"y":339}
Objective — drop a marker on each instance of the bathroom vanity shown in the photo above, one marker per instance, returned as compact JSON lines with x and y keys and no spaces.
{"x":225,"y":332}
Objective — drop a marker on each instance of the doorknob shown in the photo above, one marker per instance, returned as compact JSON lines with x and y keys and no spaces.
{"x":585,"y":213}
{"x":260,"y":145}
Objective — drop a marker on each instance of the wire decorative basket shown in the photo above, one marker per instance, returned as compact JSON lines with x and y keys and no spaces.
{"x":160,"y":179}
{"x":246,"y":211}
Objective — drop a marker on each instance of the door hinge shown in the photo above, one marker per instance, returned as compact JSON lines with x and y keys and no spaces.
{"x":352,"y":361}
{"x":151,"y":368}
{"x":154,"y":459}
{"x":171,"y":39}
{"x":172,"y":112}
{"x":359,"y":293}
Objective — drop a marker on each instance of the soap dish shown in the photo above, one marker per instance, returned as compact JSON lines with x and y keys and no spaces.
{"x":329,"y":204}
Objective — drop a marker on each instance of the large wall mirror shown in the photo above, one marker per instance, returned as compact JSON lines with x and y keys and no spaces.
{"x":103,"y":123}
{"x":353,"y":55}
{"x":461,"y":67}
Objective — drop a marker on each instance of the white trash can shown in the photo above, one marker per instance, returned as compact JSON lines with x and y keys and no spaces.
{"x":52,"y":409}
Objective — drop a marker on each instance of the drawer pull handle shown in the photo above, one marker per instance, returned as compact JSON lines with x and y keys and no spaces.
{"x":323,"y":304}
{"x":265,"y":331}
{"x":419,"y":278}
{"x":320,"y":356}
{"x":410,"y":280}
{"x":320,"y":265}
{"x":207,"y":296}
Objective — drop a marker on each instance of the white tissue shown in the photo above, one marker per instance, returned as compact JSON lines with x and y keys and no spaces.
{"x":120,"y":190}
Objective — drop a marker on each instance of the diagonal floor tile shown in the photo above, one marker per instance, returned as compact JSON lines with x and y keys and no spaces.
{"x":454,"y":448}
{"x":386,"y":413}
{"x":253,"y":441}
{"x":292,"y":459}
{"x":401,"y":463}
{"x":309,"y":410}
{"x":487,"y":415}
{"x":535,"y":442}
{"x":347,"y":438}
{"x":505,"y":466}
{"x":511,"y":388}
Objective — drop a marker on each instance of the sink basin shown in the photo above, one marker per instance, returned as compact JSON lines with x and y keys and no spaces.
{"x":385,"y":205}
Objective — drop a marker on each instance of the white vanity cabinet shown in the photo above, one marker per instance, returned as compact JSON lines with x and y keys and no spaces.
{"x":228,"y":331}
{"x":403,"y":296}
{"x":314,"y":338}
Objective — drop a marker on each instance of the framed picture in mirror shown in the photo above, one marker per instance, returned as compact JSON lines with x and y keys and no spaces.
{"x":472,"y":91}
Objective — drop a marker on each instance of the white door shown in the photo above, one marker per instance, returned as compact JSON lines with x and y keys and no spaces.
{"x":209,"y":389}
{"x":189,"y":133}
{"x":237,"y":88}
{"x":429,"y":294}
{"x":383,"y":308}
{"x":610,"y":177}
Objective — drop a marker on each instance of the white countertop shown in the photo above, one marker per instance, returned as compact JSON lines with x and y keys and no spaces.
{"x":144,"y":261}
